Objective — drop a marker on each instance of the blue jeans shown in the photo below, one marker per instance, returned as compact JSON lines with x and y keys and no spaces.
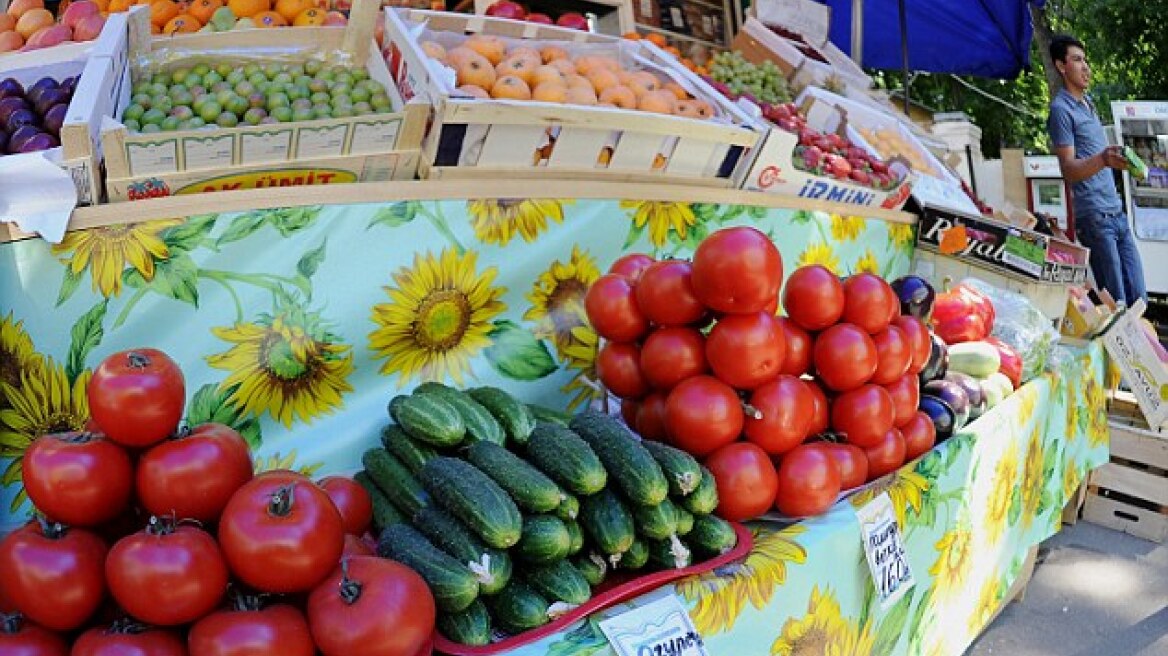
{"x":1115,"y":261}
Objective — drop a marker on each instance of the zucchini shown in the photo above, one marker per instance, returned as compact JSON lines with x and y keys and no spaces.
{"x":569,"y":508}
{"x":471,"y":626}
{"x":711,"y":536}
{"x":634,"y":469}
{"x":384,"y":513}
{"x":559,"y":581}
{"x":704,"y":499}
{"x":512,"y":415}
{"x":429,"y":418}
{"x":978,"y":359}
{"x":471,"y":496}
{"x":518,"y":608}
{"x":575,"y":537}
{"x":412,"y":453}
{"x":567,"y":459}
{"x":636,"y":557}
{"x":492,"y":567}
{"x":481,"y":426}
{"x":685,"y":520}
{"x":608,"y":522}
{"x":452,"y":584}
{"x":531,"y":489}
{"x":398,"y":484}
{"x":657,"y":522}
{"x":592,"y":567}
{"x":670,"y":553}
{"x":681,"y":469}
{"x":545,"y":539}
{"x":547,"y":414}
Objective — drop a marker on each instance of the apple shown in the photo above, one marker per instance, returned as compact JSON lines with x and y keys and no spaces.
{"x":540,"y":18}
{"x":507,"y":9}
{"x":573,"y":20}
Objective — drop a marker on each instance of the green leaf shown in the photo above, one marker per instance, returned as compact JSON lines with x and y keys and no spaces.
{"x":891,"y":626}
{"x":210,"y":405}
{"x":190,"y":234}
{"x":732,"y":212}
{"x":395,"y":214}
{"x":176,"y":278}
{"x":584,"y":640}
{"x":69,"y":283}
{"x":756,"y":211}
{"x":84,"y":337}
{"x":290,"y":220}
{"x":635,"y":233}
{"x":918,"y":616}
{"x":802,"y":216}
{"x":242,"y":226}
{"x":310,"y":261}
{"x":1015,"y":507}
{"x":517,"y":354}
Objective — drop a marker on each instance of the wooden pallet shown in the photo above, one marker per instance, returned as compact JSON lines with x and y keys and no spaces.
{"x":1130,"y":493}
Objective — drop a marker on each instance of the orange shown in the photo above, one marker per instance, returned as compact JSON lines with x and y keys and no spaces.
{"x":269,"y":19}
{"x":290,"y":9}
{"x":474,"y":91}
{"x":677,"y":90}
{"x":525,"y":53}
{"x":547,"y":73}
{"x":550,"y":54}
{"x":182,"y":24}
{"x":476,"y":71}
{"x":554,"y":92}
{"x":660,"y":102}
{"x":521,"y":67}
{"x":673,"y":51}
{"x":511,"y":87}
{"x":487,"y":45}
{"x":118,"y":6}
{"x":631,"y":36}
{"x":102,"y":5}
{"x":310,"y":18}
{"x":656,"y":39}
{"x":154,"y":29}
{"x":580,"y":95}
{"x":204,"y":9}
{"x":620,"y":96}
{"x":161,"y":11}
{"x":603,"y":80}
{"x":248,"y":8}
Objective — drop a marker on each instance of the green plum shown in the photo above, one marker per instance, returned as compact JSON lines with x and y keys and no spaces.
{"x":282,"y":77}
{"x":282,"y":114}
{"x":301,"y":80}
{"x":227,"y":120}
{"x":257,"y":79}
{"x":194,"y":80}
{"x":202,"y":70}
{"x":278,"y":100}
{"x":132,"y":125}
{"x":162,"y":103}
{"x":341,"y":89}
{"x":151,"y":128}
{"x":296,"y":91}
{"x":322,"y":111}
{"x":142,"y":99}
{"x":161,"y":78}
{"x":272,"y":70}
{"x":152,"y":116}
{"x":179,"y":76}
{"x":224,"y":69}
{"x":182,"y":97}
{"x":303,"y":114}
{"x":210,"y":111}
{"x":359,"y":74}
{"x":235,"y":77}
{"x":254,"y":115}
{"x":360,"y":94}
{"x":295,"y":70}
{"x":381,"y":102}
{"x":362,"y":108}
{"x":195,"y":123}
{"x":224,"y":95}
{"x":236,"y":105}
{"x":183,"y":113}
{"x":313,"y":66}
{"x":244,"y":88}
{"x":257,"y":100}
{"x":170,"y":124}
{"x":343,"y":111}
{"x":320,"y":98}
{"x":212,"y":77}
{"x":133,"y":112}
{"x":252,"y":69}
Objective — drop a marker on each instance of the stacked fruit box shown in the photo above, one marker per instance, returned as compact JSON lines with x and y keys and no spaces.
{"x":278,"y":135}
{"x":515,"y":130}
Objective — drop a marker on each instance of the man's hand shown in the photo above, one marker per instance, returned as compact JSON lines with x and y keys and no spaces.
{"x":1113,"y":158}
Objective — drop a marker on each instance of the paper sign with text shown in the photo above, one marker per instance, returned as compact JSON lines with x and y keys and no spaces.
{"x":885,"y":551}
{"x":659,"y":628}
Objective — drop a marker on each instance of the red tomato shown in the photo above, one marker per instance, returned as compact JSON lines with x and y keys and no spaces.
{"x":869,"y":302}
{"x":919,"y":341}
{"x":629,"y":410}
{"x":665,"y":294}
{"x":651,"y":418}
{"x":919,"y":436}
{"x":885,"y":455}
{"x":737,"y":270}
{"x":893,"y":303}
{"x":746,"y":479}
{"x":21,"y":638}
{"x":370,"y":606}
{"x":631,"y":266}
{"x":356,"y":546}
{"x":167,"y":575}
{"x":893,"y":355}
{"x":673,"y":354}
{"x":194,"y":474}
{"x":53,"y":575}
{"x":746,"y":350}
{"x":137,"y":396}
{"x":619,"y":366}
{"x":703,"y":413}
{"x":249,"y":630}
{"x":844,"y":357}
{"x":906,"y":396}
{"x":128,"y":639}
{"x":612,"y":309}
{"x":821,"y":409}
{"x":809,"y":482}
{"x":351,"y":500}
{"x":787,"y":407}
{"x":79,"y":479}
{"x":863,"y":415}
{"x":797,"y":360}
{"x":814,"y":297}
{"x":851,"y":460}
{"x":281,"y":533}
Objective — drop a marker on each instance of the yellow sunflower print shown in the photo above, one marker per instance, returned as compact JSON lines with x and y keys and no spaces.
{"x":1071,"y":479}
{"x":823,"y":631}
{"x":846,"y":228}
{"x":1073,"y":430}
{"x":1032,"y":482}
{"x":438,"y":318}
{"x":906,"y":490}
{"x":1098,"y":432}
{"x":581,"y":356}
{"x":819,"y":253}
{"x":998,"y":505}
{"x":901,"y":234}
{"x":286,"y":365}
{"x":109,"y":249}
{"x":661,"y":217}
{"x":557,"y":299}
{"x":17,"y":354}
{"x":988,"y":601}
{"x":498,"y":220}
{"x":868,"y":263}
{"x":954,"y":558}
{"x":287,"y":461}
{"x":44,"y":402}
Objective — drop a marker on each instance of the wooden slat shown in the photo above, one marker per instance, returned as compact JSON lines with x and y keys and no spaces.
{"x":1132,"y":482}
{"x":1126,"y":519}
{"x":1131,"y":443}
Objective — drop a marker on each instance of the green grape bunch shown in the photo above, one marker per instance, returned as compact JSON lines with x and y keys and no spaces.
{"x":763,"y":81}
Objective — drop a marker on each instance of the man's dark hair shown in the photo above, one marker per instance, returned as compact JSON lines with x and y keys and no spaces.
{"x":1061,"y":43}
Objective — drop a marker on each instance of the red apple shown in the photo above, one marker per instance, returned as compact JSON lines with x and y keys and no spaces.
{"x":540,"y":18}
{"x":573,"y":20}
{"x":507,"y":9}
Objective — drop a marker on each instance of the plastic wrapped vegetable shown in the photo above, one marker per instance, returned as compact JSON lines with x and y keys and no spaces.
{"x":1021,"y":326}
{"x":1011,"y":362}
{"x":962,"y":314}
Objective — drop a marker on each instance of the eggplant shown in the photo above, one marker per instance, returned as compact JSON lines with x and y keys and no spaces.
{"x":49,"y":98}
{"x":938,"y":364}
{"x":42,"y":85}
{"x":954,"y":395}
{"x":916,"y":296}
{"x":10,"y":86}
{"x":942,"y":415}
{"x":10,"y":104}
{"x":19,"y":136}
{"x":55,"y":118}
{"x":20,"y":117}
{"x":973,"y":390}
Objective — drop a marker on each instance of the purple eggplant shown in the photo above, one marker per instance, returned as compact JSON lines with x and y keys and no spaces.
{"x":973,"y":390}
{"x":20,"y":135}
{"x":938,"y":364}
{"x":11,"y":87}
{"x":42,"y":85}
{"x":55,"y":118}
{"x":49,"y":98}
{"x":941,"y":414}
{"x":916,"y":296}
{"x":20,"y":117}
{"x":953,"y":394}
{"x":10,"y":104}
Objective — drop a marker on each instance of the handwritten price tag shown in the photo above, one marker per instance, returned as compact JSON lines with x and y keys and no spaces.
{"x":659,"y":628}
{"x":884,"y":549}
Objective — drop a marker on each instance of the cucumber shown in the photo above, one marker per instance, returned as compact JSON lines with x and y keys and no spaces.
{"x":575,"y":537}
{"x":711,"y":536}
{"x":384,"y":513}
{"x":398,"y":484}
{"x":681,"y":469}
{"x":429,"y":418}
{"x":978,"y":359}
{"x":452,"y":584}
{"x":545,"y":539}
{"x":567,"y":459}
{"x":636,"y":557}
{"x":592,"y":567}
{"x":481,"y":426}
{"x":471,"y":626}
{"x":412,"y":453}
{"x":634,"y":469}
{"x":531,"y":489}
{"x":471,"y":496}
{"x":704,"y":499}
{"x":547,"y":414}
{"x":519,"y":608}
{"x":491,"y":567}
{"x":512,"y":415}
{"x":685,"y":520}
{"x":608,"y":522}
{"x":657,"y":522}
{"x":670,"y":553}
{"x":569,"y":508}
{"x":559,"y":581}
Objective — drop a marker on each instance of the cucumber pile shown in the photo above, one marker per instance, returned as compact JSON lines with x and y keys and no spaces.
{"x":513,"y":514}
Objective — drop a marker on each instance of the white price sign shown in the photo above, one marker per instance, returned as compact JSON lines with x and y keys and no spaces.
{"x":884,"y":549}
{"x":659,"y":628}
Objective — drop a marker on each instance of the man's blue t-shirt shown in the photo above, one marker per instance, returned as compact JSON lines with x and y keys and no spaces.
{"x":1074,"y":123}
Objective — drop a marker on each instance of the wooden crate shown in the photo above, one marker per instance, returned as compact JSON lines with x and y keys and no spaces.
{"x":471,"y":138}
{"x":1130,"y":493}
{"x":613,"y":17}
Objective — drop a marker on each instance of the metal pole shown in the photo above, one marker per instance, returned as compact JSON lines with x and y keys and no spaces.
{"x":904,"y":52}
{"x":858,"y":32}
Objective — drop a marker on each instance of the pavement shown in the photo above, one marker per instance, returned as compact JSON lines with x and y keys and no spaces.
{"x":1095,"y":592}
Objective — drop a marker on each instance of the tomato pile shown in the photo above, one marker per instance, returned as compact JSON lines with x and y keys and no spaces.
{"x":155,"y":539}
{"x":788,"y":411}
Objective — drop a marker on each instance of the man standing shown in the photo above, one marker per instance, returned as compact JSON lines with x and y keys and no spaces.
{"x":1085,"y":159}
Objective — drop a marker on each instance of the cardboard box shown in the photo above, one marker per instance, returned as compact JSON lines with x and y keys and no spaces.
{"x":1144,"y":372}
